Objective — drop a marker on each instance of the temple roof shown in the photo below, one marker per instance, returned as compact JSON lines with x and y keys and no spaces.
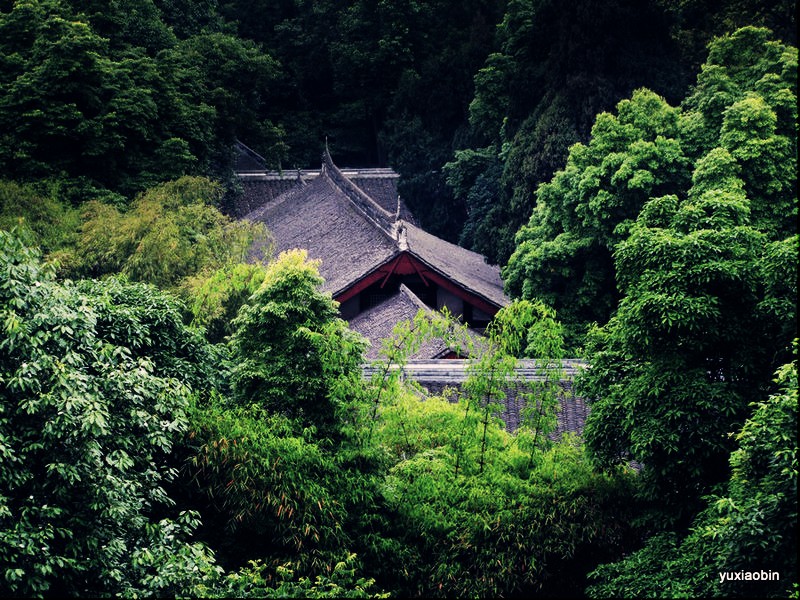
{"x":353,"y":234}
{"x":462,"y":266}
{"x":377,"y":324}
{"x":319,"y":218}
{"x":260,"y":185}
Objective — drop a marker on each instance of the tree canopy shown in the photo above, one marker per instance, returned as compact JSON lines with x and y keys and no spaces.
{"x":178,"y":422}
{"x":91,"y":410}
{"x":649,"y":149}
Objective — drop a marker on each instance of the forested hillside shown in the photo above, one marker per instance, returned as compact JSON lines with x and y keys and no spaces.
{"x":178,"y":421}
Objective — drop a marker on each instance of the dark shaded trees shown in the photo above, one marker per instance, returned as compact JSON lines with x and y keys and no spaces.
{"x":748,"y":526}
{"x":557,"y":66}
{"x":104,"y":98}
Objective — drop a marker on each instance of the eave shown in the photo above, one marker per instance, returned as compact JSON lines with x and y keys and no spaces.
{"x":406,"y":263}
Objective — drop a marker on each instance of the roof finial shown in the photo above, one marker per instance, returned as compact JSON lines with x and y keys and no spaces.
{"x":402,"y":239}
{"x":397,"y":212}
{"x":326,"y":156}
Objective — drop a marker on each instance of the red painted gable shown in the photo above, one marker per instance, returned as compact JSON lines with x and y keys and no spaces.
{"x":408,"y":264}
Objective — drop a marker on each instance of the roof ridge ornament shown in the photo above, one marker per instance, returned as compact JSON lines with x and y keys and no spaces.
{"x":401,"y":233}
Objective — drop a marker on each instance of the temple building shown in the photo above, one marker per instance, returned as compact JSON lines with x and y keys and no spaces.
{"x":376,"y":261}
{"x":383,"y":268}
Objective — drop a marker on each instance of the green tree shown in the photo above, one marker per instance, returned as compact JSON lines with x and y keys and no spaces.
{"x":103,"y":97}
{"x":743,"y":105}
{"x":339,"y":580}
{"x":511,"y":530}
{"x":171,"y":232}
{"x":126,"y":24}
{"x":88,"y":418}
{"x":217,"y":297}
{"x":190,"y":17}
{"x":279,"y":469}
{"x":564,"y":254}
{"x":475,"y":510}
{"x":702,"y":322}
{"x":675,"y":369}
{"x":53,"y":225}
{"x":748,"y":527}
{"x":265,"y":490}
{"x":236,"y":78}
{"x":695,"y":23}
{"x":290,"y":348}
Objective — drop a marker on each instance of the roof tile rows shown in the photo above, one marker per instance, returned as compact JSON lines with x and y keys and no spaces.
{"x":338,"y":223}
{"x":319,"y":218}
{"x":464,"y":267}
{"x":378,"y":323}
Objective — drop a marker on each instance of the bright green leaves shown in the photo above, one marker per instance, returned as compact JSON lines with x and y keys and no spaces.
{"x":499,"y":534}
{"x":290,"y":346}
{"x":171,"y":232}
{"x":218,"y":296}
{"x":768,"y":162}
{"x":749,"y":107}
{"x":89,"y":412}
{"x":563,"y":254}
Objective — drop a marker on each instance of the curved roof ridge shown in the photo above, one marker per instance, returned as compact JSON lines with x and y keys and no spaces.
{"x":406,"y":291}
{"x":382,"y":217}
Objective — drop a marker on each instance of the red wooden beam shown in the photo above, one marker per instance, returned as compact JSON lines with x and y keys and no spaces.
{"x":406,"y":264}
{"x":366,"y":281}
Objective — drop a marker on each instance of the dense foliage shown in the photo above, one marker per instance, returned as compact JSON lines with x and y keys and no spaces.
{"x":736,"y":132}
{"x":91,"y":403}
{"x":214,"y":436}
{"x":750,"y":526}
{"x":105,"y":99}
{"x":675,"y":230}
{"x":169,"y":233}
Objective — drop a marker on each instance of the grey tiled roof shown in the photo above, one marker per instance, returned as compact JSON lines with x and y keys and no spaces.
{"x":320,"y":218}
{"x":326,"y":213}
{"x":464,"y":267}
{"x":377,"y":324}
{"x":256,"y":191}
